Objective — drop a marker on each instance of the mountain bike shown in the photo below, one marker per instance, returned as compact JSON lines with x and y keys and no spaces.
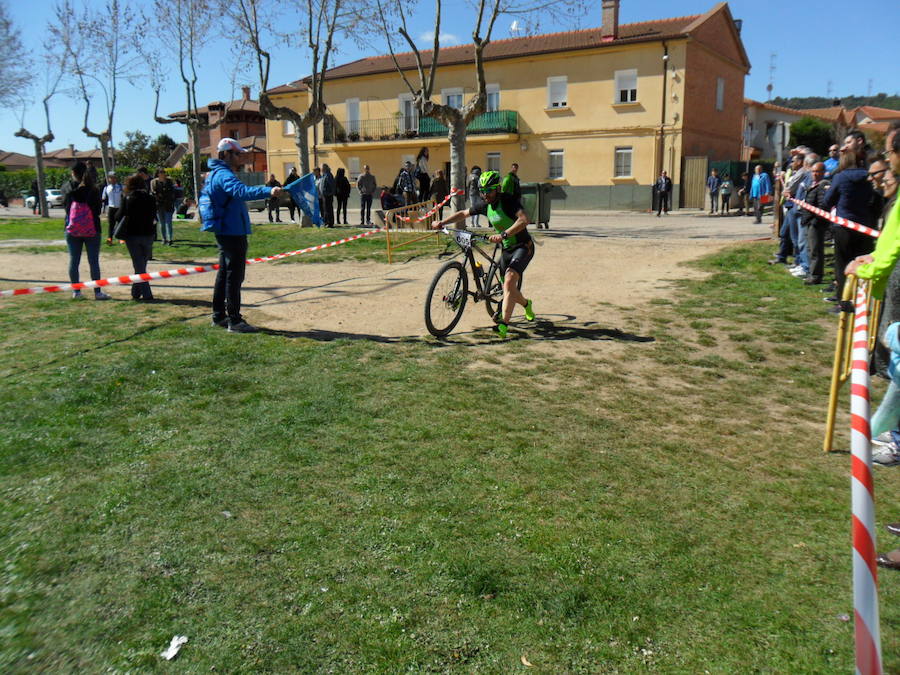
{"x":449,"y":289}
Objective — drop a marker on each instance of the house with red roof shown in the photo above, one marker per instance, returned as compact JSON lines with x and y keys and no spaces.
{"x":597,"y":113}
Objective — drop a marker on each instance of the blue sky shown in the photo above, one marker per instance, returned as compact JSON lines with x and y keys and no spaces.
{"x":803,"y":36}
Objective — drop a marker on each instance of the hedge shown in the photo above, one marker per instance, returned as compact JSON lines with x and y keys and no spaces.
{"x":15,"y":183}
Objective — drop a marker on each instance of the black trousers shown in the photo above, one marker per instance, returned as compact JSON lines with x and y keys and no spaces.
{"x":365,"y":209}
{"x":663,"y":198}
{"x":140,"y":248}
{"x":232,"y":265}
{"x":342,"y":207}
{"x":815,"y":247}
{"x":111,"y":215}
{"x":328,"y":216}
{"x":847,"y":246}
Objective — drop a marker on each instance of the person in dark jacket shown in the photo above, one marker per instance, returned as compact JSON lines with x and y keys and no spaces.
{"x":851,"y":195}
{"x":84,"y":192}
{"x":663,"y":189}
{"x":439,"y":190}
{"x":35,"y":192}
{"x":816,"y":226}
{"x":273,"y":202}
{"x":290,"y":178}
{"x":342,"y":193}
{"x":139,"y":208}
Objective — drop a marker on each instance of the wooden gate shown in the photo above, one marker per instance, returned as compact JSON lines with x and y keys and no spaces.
{"x":693,"y":183}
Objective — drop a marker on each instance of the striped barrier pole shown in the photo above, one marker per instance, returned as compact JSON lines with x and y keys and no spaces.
{"x":169,"y":274}
{"x":865,"y":576}
{"x":454,"y":191}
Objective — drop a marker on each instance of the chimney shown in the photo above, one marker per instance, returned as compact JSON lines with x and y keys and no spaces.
{"x":72,"y":149}
{"x":609,"y":29}
{"x":246,"y":91}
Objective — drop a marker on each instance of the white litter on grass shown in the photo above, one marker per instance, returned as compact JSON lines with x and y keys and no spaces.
{"x":174,"y":646}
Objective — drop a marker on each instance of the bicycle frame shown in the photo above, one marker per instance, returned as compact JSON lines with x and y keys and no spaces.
{"x":466,"y":241}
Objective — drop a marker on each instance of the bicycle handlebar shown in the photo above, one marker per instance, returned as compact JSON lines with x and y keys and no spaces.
{"x":464,"y":237}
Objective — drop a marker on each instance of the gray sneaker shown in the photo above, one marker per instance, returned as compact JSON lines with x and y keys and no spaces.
{"x":242,"y":327}
{"x":100,"y":295}
{"x":886,"y":455}
{"x":882,"y":438}
{"x":76,"y":295}
{"x":220,"y":323}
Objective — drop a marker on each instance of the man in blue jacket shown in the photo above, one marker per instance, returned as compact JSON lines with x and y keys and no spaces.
{"x":223,"y":212}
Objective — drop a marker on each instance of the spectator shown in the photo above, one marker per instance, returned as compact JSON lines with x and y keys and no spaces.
{"x":876,"y":174}
{"x":473,"y":192}
{"x":112,"y":195}
{"x":82,"y":205}
{"x":317,"y":175}
{"x":273,"y":202}
{"x":851,"y":195}
{"x":366,"y":185}
{"x":163,"y":190}
{"x":725,"y":193}
{"x":421,"y":174}
{"x":760,"y":189}
{"x":35,"y":192}
{"x":788,"y":232}
{"x":184,"y":210}
{"x":831,"y":164}
{"x":799,"y":183}
{"x":890,"y":308}
{"x":4,"y":202}
{"x":290,"y":178}
{"x":743,"y":190}
{"x":816,"y":226}
{"x":139,"y":209}
{"x":179,"y":194}
{"x":439,"y":191}
{"x":326,"y":191}
{"x":342,"y":192}
{"x":511,"y":184}
{"x":223,"y":212}
{"x":144,"y":173}
{"x":389,"y":200}
{"x":663,"y":187}
{"x":92,"y":172}
{"x":712,"y":185}
{"x":404,"y":184}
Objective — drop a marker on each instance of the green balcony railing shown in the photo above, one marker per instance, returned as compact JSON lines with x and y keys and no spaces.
{"x":395,"y":128}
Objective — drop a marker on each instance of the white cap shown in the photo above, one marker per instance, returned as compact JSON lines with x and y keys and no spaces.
{"x":229,"y":144}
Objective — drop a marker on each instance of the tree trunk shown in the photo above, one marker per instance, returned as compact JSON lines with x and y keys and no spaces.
{"x":456,"y":134}
{"x":301,"y":140}
{"x":104,"y":158}
{"x":39,"y":167}
{"x":194,"y":133}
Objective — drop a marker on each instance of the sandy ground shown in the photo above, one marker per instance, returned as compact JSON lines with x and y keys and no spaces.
{"x":584,"y":260}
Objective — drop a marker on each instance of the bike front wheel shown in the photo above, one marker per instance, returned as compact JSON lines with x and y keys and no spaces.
{"x":446,"y":299}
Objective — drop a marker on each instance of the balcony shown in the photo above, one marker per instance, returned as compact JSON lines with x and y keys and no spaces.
{"x":399,"y":128}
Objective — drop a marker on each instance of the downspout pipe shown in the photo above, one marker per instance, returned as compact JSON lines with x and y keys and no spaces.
{"x":662,"y":120}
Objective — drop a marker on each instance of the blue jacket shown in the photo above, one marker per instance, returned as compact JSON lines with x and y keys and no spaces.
{"x":851,"y":193}
{"x":760,"y":186}
{"x":893,"y":343}
{"x":226,"y":212}
{"x":713,"y":183}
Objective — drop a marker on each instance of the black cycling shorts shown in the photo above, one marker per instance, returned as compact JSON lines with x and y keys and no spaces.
{"x":517,"y":258}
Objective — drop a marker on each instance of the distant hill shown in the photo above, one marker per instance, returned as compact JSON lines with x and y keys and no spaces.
{"x":880,"y":100}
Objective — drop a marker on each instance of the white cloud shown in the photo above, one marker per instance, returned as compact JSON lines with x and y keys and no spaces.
{"x":447,"y":39}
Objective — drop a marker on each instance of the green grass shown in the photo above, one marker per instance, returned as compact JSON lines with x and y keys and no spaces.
{"x":294,"y":505}
{"x":267,"y":239}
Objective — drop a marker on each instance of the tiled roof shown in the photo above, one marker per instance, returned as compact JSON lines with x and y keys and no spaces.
{"x":880,"y":127}
{"x":588,"y":38}
{"x":833,"y":114}
{"x":250,"y":105}
{"x":67,"y":154}
{"x":792,"y":111}
{"x":878,"y":114}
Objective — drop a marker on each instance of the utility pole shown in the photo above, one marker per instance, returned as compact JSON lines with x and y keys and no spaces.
{"x":771,"y":85}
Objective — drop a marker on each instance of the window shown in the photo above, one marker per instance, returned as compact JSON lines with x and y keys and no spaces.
{"x":626,"y":86}
{"x":720,"y":93}
{"x":452,"y":97}
{"x":493,"y":161}
{"x":556,"y":92}
{"x":353,"y":167}
{"x":287,"y":128}
{"x":234,"y":134}
{"x":493,"y":98}
{"x":287,"y":167}
{"x":556,"y":164}
{"x":409,"y":116}
{"x":623,"y":163}
{"x":353,"y":115}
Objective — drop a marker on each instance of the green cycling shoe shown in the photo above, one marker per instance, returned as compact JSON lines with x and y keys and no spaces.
{"x":529,"y":311}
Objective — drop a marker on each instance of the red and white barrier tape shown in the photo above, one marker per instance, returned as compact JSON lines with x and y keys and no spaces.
{"x":168,"y":274}
{"x":837,"y":220}
{"x":865,"y":577}
{"x":454,"y":191}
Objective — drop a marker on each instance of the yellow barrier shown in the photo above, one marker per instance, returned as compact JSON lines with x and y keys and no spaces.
{"x":843,"y":349}
{"x":419,"y":223}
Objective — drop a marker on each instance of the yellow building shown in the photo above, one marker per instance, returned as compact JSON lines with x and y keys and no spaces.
{"x":598,"y":113}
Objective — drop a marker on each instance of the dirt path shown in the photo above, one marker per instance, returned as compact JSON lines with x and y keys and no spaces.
{"x":584,"y":261}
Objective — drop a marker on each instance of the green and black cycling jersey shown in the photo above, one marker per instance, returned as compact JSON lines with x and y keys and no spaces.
{"x":501,"y":216}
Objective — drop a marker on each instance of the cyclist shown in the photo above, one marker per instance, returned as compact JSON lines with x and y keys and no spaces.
{"x":505,"y":213}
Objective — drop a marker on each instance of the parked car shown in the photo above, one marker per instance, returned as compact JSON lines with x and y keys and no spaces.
{"x":54,"y":198}
{"x":261,"y":204}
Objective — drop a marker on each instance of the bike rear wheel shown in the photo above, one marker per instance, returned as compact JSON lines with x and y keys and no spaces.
{"x":446,"y":298}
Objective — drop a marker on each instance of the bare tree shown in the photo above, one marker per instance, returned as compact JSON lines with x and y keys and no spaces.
{"x":184,"y":26}
{"x":100,"y":47}
{"x":53,"y":81}
{"x":322,"y":19}
{"x":457,"y":119}
{"x":15,"y":68}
